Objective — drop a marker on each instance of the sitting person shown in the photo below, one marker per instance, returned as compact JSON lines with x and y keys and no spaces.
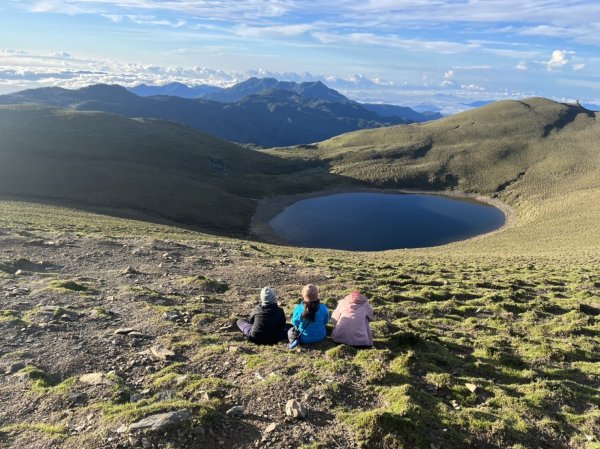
{"x":351,"y":320}
{"x":309,"y":318}
{"x":266,"y":323}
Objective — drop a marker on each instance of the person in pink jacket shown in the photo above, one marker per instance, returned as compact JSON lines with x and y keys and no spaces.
{"x":351,"y":320}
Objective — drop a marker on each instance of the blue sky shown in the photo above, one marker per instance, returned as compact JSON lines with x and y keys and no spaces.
{"x":398,"y":51}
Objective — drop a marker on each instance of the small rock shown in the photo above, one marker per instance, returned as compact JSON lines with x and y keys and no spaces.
{"x":172,"y":315}
{"x":76,"y":398}
{"x":271,"y":427}
{"x":161,"y":352}
{"x":136,"y":334}
{"x":124,"y":331}
{"x":161,"y":421}
{"x":295,"y":409}
{"x":130,"y":270}
{"x":238,"y":410}
{"x":471,"y":387}
{"x":19,"y":273}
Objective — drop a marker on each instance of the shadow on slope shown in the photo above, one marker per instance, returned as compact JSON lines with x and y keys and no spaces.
{"x":149,"y":168}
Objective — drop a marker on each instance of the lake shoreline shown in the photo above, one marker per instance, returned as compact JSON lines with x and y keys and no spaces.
{"x":270,"y":207}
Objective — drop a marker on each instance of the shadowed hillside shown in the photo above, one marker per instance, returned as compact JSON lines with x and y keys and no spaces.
{"x":152,"y":167}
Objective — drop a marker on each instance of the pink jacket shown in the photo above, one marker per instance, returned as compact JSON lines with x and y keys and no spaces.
{"x":351,"y":318}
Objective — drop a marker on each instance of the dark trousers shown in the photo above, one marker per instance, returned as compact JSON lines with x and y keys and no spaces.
{"x":246,"y":327}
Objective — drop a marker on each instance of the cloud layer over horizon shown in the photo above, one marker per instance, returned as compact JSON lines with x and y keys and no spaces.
{"x":378,"y":50}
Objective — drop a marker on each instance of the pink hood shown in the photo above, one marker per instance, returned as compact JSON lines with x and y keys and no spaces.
{"x":351,"y":318}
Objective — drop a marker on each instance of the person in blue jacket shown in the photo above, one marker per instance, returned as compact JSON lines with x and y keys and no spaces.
{"x":309,"y":318}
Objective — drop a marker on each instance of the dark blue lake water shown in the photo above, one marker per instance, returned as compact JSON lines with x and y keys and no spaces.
{"x":379,"y":221}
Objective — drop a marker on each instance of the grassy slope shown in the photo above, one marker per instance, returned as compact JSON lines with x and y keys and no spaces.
{"x":538,"y":156}
{"x":514,"y":313}
{"x":159,"y":168}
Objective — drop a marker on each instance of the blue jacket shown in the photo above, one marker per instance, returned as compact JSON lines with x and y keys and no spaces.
{"x":313,"y":330}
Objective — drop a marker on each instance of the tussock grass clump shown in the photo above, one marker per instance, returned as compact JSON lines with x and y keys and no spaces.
{"x":68,"y":285}
{"x":51,"y":430}
{"x":11,"y":318}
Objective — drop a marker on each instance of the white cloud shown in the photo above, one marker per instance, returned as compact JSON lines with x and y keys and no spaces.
{"x":449,"y":74}
{"x":415,"y":45}
{"x":449,"y":84}
{"x":60,"y":55}
{"x":558,"y":60}
{"x":21,"y":70}
{"x":115,"y":18}
{"x":545,"y":30}
{"x":577,"y":67}
{"x":522,"y":65}
{"x":474,"y":87}
{"x":280,"y":30}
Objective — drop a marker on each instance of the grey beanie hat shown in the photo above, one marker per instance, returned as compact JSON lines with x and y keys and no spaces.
{"x":267,"y":296}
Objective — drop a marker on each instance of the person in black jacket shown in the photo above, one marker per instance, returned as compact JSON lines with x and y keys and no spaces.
{"x":266,"y":323}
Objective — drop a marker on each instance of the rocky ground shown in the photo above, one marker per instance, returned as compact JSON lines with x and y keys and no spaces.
{"x":122,"y":342}
{"x":99,"y":333}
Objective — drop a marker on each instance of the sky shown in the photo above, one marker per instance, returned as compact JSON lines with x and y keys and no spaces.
{"x":408,"y":52}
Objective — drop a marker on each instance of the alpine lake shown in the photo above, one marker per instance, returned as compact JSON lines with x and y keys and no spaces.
{"x":368,"y":221}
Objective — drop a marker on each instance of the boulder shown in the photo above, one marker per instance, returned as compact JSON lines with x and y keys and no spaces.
{"x":238,"y":410}
{"x":124,"y":331}
{"x":161,"y":421}
{"x":161,"y":352}
{"x":295,"y":409}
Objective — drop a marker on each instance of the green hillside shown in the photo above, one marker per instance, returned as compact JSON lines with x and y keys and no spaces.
{"x":159,"y":169}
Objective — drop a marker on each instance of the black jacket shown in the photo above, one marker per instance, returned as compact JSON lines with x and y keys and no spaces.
{"x":268,"y":324}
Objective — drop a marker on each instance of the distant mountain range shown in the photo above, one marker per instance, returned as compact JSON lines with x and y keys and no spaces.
{"x":271,"y":118}
{"x":311,"y":90}
{"x":265,"y":112}
{"x":175,"y":90}
{"x":253,"y":86}
{"x":390,"y":111}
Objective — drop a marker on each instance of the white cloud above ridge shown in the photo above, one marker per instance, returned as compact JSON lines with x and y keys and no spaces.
{"x":558,"y":60}
{"x":21,"y":70}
